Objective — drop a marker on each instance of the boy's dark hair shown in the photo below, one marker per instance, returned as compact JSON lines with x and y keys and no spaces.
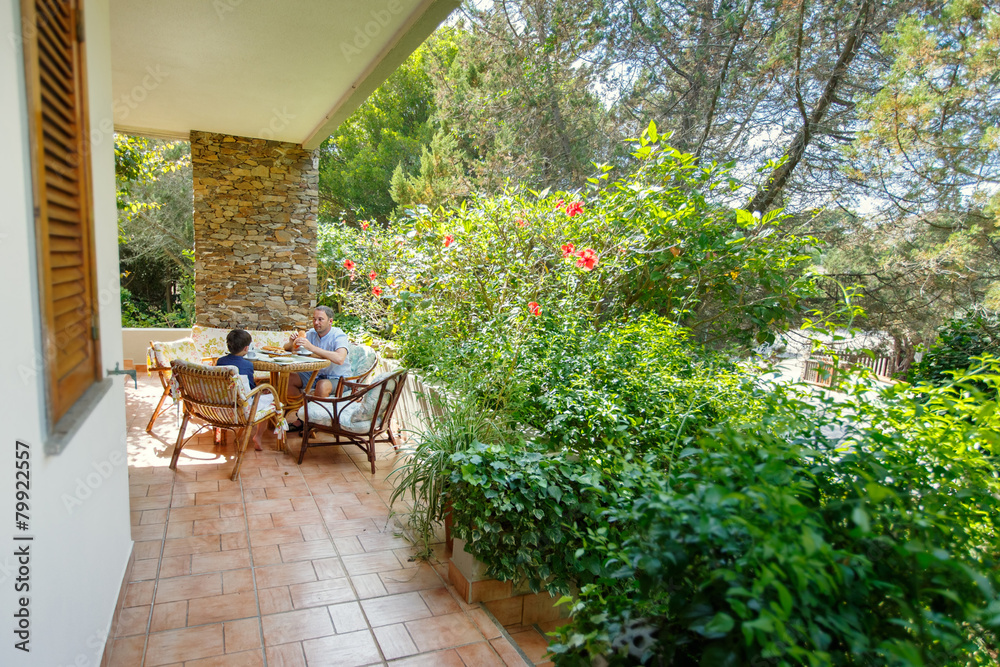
{"x":237,"y":340}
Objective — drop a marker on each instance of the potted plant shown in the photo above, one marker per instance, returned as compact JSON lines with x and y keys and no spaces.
{"x":421,"y":480}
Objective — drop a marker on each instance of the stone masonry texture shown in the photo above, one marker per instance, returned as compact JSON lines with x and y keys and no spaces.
{"x":255,"y":205}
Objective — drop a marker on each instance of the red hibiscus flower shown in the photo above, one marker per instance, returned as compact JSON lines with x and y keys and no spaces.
{"x":521,"y":223}
{"x":371,"y":276}
{"x":448,"y":240}
{"x":567,"y":249}
{"x":377,"y":291}
{"x":365,"y":224}
{"x":535,"y":309}
{"x":560,"y":203}
{"x":349,"y":265}
{"x":575,"y":208}
{"x":587,"y":259}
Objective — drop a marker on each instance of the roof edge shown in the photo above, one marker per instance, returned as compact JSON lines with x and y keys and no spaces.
{"x":421,"y":23}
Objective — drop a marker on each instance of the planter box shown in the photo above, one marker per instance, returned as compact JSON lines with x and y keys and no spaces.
{"x":509,"y":604}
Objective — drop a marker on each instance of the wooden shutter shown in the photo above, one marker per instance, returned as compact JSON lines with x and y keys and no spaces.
{"x":54,"y":75}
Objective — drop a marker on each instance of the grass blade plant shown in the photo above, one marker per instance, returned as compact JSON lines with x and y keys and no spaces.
{"x":421,"y":479}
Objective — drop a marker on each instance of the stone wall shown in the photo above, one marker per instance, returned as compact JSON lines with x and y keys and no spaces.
{"x":255,"y":204}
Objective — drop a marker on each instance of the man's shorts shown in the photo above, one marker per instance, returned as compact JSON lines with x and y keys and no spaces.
{"x":304,"y":375}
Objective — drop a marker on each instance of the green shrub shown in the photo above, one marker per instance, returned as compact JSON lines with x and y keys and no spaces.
{"x":637,"y":386}
{"x":136,"y":313}
{"x":649,"y":240}
{"x":524,"y":511}
{"x":738,"y":522}
{"x":959,"y":340}
{"x":786,"y":545}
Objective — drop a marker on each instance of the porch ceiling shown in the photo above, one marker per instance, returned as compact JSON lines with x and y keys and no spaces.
{"x":289,"y":71}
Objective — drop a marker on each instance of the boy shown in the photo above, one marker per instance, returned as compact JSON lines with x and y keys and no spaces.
{"x":238,"y":341}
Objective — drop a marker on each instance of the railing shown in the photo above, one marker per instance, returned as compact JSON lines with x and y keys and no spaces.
{"x":418,"y":404}
{"x":822,"y":371}
{"x":819,"y":371}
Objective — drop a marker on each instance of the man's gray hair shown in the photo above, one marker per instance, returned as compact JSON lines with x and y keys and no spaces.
{"x":327,"y":310}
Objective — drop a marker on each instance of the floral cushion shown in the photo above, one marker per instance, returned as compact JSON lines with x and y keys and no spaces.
{"x":212,"y":340}
{"x":163,"y":353}
{"x":319,"y":414}
{"x":360,"y":357}
{"x":265,"y":404}
{"x":354,"y":417}
{"x":357,"y":417}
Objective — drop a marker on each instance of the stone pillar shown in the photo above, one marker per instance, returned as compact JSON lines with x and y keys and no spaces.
{"x":255,"y":204}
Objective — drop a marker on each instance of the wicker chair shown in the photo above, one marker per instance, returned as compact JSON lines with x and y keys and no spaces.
{"x":158,"y":358}
{"x":362,"y":418}
{"x":218,"y":397}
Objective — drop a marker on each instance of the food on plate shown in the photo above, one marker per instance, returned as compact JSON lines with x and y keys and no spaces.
{"x":271,"y":348}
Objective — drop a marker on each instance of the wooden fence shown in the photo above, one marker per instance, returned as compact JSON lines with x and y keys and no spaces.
{"x":418,"y":404}
{"x":822,"y":370}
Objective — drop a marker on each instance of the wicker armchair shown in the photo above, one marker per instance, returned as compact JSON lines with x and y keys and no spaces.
{"x":362,"y":418}
{"x":158,"y":358}
{"x":218,"y":397}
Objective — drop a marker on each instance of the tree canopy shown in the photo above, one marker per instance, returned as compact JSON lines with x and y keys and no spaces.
{"x":872,"y":124}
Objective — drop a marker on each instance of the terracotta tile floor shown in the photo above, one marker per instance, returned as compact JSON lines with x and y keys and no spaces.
{"x":289,"y":565}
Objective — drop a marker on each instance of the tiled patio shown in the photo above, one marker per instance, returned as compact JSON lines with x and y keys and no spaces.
{"x":289,"y":565}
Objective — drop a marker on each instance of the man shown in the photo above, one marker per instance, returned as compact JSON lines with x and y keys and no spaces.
{"x":324,"y":341}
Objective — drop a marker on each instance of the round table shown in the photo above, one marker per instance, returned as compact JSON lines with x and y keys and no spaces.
{"x":280,"y":373}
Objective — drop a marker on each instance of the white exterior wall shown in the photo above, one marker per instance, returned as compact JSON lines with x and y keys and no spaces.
{"x":135,"y":342}
{"x":79,"y":514}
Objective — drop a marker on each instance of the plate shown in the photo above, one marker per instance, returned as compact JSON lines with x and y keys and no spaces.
{"x":283,"y":360}
{"x":303,"y":353}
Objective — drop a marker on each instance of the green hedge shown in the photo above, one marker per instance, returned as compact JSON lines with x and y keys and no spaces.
{"x":851,"y":533}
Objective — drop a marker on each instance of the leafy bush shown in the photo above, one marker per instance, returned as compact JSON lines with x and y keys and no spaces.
{"x":648,"y":241}
{"x":736,"y":524}
{"x":786,"y":545}
{"x":523,"y":510}
{"x":136,"y":313}
{"x":421,"y":481}
{"x":633,"y":386}
{"x":960,"y":340}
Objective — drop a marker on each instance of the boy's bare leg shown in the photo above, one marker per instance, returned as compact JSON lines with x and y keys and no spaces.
{"x":294,"y":385}
{"x":256,"y":437}
{"x":294,"y":391}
